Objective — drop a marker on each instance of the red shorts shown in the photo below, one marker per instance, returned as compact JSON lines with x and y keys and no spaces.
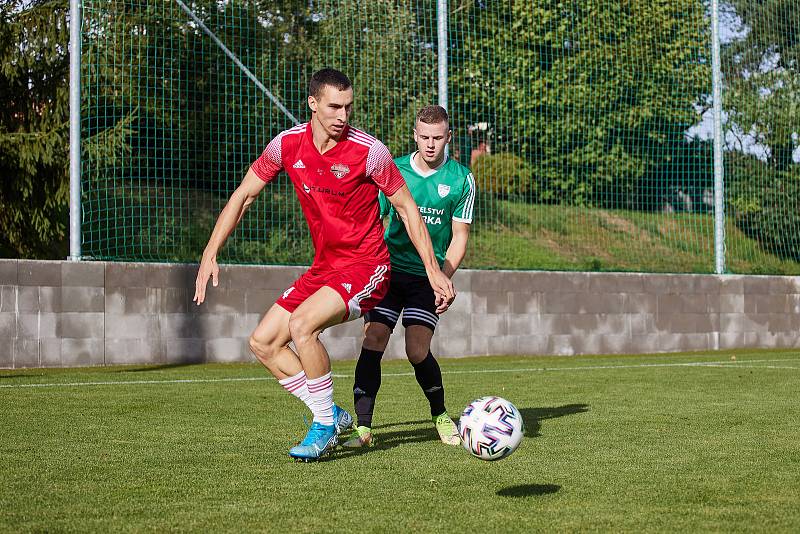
{"x":360,"y":286}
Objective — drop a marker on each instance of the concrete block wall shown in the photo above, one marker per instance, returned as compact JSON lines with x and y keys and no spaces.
{"x":61,"y":314}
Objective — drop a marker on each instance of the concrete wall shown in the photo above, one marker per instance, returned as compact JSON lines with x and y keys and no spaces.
{"x":58,"y":314}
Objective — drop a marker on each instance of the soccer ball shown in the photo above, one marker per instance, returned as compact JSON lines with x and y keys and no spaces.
{"x":491,"y":428}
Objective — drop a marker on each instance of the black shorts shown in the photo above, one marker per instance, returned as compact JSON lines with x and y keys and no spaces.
{"x":410,"y":294}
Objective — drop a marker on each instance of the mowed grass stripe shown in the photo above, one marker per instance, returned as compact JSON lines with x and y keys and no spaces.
{"x":717,"y":364}
{"x":629,"y":448}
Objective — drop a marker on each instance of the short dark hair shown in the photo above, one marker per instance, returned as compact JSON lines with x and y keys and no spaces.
{"x":433,"y":115}
{"x":332,"y":77}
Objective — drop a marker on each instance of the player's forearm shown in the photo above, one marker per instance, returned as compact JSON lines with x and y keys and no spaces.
{"x":455,"y":255}
{"x":421,"y":239}
{"x":226,"y":222}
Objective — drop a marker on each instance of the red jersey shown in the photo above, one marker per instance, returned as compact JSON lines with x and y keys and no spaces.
{"x":338,"y":191}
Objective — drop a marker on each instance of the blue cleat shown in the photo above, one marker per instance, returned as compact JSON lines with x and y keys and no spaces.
{"x":319,"y":441}
{"x":342,"y":419}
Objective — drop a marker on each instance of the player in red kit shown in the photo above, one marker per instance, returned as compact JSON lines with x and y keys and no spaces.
{"x":337,"y":172}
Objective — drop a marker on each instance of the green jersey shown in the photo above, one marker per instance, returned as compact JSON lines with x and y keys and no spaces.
{"x":443,"y":195}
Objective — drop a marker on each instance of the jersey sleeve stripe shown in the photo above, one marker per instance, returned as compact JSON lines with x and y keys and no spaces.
{"x":360,"y":142}
{"x":358,"y":134}
{"x":382,"y":169}
{"x":470,"y":203}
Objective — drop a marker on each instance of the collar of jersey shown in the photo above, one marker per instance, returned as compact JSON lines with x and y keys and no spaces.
{"x":419,"y":171}
{"x":343,"y":138}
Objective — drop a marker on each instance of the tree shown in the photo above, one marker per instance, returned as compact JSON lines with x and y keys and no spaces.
{"x":34,"y":132}
{"x":171,"y":121}
{"x":388,"y":49}
{"x":761,"y":69}
{"x":762,"y":76}
{"x":591,"y":93}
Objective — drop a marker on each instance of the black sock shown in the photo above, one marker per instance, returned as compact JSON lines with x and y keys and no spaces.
{"x":429,"y":378}
{"x":367,"y":384}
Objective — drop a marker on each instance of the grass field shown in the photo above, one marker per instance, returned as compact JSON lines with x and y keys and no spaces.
{"x":689,"y":442}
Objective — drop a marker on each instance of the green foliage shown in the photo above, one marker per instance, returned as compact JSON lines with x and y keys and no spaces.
{"x":172,"y":124}
{"x":762,"y":101}
{"x":592,"y":94}
{"x":585,"y":104}
{"x":762,"y":76}
{"x":34,"y":134}
{"x":183,"y":228}
{"x":166,"y":108}
{"x":385,"y":50}
{"x":505,"y":175}
{"x":763,"y":202}
{"x":682,"y":181}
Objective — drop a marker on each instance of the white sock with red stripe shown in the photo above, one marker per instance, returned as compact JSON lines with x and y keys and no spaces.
{"x":296,"y":385}
{"x":320,"y":392}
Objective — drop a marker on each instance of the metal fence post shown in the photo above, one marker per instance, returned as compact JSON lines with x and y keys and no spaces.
{"x":441,"y":33}
{"x":719,"y":198}
{"x":74,"y":130}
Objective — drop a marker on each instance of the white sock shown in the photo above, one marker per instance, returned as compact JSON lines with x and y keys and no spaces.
{"x":320,"y":392}
{"x":297,"y":386}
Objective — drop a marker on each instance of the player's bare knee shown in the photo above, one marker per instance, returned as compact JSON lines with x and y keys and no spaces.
{"x":263,"y":350}
{"x":254,"y":345}
{"x":376,"y":338}
{"x":416,"y":356}
{"x":301,"y":330}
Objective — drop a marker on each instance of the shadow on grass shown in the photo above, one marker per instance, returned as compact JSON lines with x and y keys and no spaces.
{"x":389,"y":440}
{"x":532,"y":416}
{"x":528,"y":490}
{"x":159,"y":367}
{"x":426,"y":432}
{"x":402,"y":423}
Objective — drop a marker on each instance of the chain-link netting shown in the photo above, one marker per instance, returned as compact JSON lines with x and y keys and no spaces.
{"x":586,"y":124}
{"x":761,"y":103}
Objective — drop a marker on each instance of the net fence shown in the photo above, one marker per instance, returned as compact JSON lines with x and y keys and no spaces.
{"x":587,"y":125}
{"x":761,"y":119}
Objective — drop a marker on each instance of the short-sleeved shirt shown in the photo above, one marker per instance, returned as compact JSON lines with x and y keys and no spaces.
{"x":338,"y":191}
{"x":443,"y":195}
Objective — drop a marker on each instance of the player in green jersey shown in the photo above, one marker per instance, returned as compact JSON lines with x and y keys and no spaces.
{"x":445,"y":193}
